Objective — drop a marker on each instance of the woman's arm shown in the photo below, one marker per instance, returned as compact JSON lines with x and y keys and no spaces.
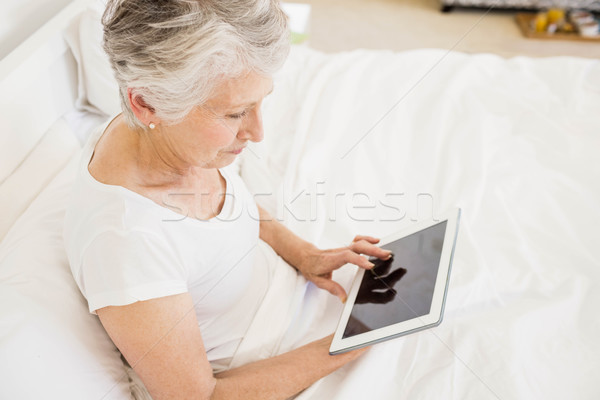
{"x":282,"y":376}
{"x":315,"y":264}
{"x":288,"y":245}
{"x":161,"y":340}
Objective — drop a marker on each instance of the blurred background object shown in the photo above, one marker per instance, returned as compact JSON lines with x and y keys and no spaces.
{"x":299,"y":21}
{"x":340,"y":25}
{"x":592,"y":5}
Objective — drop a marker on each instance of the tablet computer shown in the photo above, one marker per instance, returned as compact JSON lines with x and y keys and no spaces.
{"x":403,"y":294}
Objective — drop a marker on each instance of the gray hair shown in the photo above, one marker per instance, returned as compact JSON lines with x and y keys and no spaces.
{"x":174,"y":53}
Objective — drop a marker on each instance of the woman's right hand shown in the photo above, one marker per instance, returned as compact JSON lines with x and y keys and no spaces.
{"x":344,"y":358}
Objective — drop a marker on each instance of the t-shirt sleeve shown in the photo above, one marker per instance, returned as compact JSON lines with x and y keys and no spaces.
{"x":121,"y":267}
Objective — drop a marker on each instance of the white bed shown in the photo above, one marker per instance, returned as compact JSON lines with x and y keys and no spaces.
{"x":358,"y":142}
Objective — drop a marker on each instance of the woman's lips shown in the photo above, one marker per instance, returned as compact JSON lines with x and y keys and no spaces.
{"x":238,"y":151}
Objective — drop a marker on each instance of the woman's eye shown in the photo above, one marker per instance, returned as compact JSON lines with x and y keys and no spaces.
{"x":238,"y":115}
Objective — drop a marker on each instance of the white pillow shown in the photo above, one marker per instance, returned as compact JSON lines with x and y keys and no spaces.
{"x":51,"y":347}
{"x":98,"y":89}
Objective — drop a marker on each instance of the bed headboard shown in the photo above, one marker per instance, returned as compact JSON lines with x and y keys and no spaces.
{"x":38,"y":84}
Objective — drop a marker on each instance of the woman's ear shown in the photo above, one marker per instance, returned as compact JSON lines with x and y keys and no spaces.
{"x":143,"y":111}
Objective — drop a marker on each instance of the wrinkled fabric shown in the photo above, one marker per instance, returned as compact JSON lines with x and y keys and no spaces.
{"x":367,"y":142}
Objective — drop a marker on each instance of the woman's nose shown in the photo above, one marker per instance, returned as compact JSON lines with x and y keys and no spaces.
{"x":252,"y":126}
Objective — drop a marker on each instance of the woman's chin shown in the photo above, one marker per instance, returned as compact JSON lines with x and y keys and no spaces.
{"x":223,"y":160}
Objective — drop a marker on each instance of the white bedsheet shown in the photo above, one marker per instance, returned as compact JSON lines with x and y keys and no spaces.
{"x":357,"y":138}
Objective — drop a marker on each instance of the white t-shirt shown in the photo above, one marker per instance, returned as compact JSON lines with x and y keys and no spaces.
{"x":123,"y":248}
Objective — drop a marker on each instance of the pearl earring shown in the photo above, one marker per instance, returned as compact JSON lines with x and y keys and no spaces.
{"x":151,"y":125}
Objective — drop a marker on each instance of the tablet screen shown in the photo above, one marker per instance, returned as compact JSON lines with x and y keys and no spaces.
{"x":401,"y":288}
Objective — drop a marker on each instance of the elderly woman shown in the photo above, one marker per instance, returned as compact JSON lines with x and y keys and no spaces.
{"x":158,"y":227}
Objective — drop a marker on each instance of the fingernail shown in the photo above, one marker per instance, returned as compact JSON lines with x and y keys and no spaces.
{"x":370,"y":264}
{"x":343,"y":299}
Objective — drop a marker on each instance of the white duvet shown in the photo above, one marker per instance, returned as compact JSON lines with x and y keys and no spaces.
{"x":368,"y":141}
{"x":364,"y":143}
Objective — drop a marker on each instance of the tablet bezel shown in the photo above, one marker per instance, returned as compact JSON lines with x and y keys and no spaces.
{"x":434,"y":318}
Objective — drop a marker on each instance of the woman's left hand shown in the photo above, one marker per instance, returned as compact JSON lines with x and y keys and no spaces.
{"x":318,"y":265}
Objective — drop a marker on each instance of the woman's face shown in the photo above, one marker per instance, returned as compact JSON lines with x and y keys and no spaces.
{"x":212,"y":135}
